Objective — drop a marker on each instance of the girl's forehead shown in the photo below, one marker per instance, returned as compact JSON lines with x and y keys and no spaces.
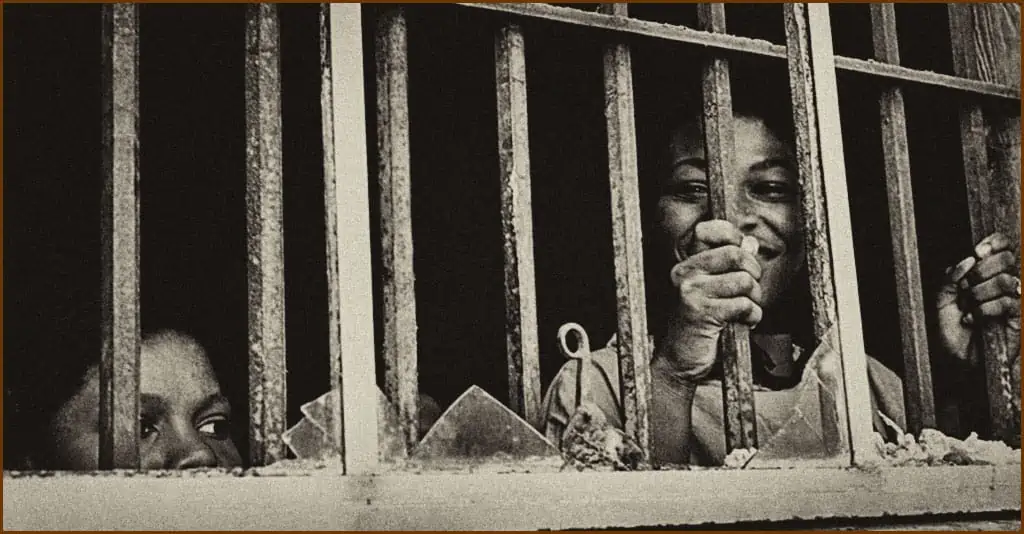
{"x":751,"y":135}
{"x":169,"y":361}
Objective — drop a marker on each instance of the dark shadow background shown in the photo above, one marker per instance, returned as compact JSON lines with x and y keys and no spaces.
{"x":193,"y":172}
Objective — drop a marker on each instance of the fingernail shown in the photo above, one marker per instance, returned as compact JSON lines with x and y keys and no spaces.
{"x":983,"y":250}
{"x":749,"y":244}
{"x":948,"y":270}
{"x":968,"y":319}
{"x":965,"y":265}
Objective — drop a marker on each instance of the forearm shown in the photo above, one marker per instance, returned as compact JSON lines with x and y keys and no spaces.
{"x":671,"y":414}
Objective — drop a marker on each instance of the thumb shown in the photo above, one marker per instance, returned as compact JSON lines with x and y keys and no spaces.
{"x":957,"y":272}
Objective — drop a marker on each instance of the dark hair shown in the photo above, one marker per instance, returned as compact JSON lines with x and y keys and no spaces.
{"x":758,"y":90}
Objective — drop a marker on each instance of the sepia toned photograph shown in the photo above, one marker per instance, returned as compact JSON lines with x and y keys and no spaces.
{"x":511,"y":266}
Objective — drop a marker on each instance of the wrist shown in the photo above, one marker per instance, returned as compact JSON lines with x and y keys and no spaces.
{"x":686,"y":353}
{"x":668,"y":373}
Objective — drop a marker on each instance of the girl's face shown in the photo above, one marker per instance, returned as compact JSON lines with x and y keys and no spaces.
{"x":763,"y":198}
{"x":185,"y":419}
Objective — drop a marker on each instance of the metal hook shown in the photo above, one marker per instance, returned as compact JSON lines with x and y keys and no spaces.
{"x":582,"y":341}
{"x":582,"y":353}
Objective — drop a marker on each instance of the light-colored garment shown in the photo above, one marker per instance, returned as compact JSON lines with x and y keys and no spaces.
{"x":788,"y":421}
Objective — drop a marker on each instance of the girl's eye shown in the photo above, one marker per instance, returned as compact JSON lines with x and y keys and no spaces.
{"x":218,"y":429}
{"x":147,"y":428}
{"x":775,"y":191}
{"x":689,"y":191}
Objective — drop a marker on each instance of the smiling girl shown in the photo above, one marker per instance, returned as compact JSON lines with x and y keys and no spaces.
{"x":751,"y":270}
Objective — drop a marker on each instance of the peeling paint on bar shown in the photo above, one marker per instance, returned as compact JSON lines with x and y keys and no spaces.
{"x":400,"y":353}
{"x":986,"y":44}
{"x":734,"y":345}
{"x":633,"y":346}
{"x":743,"y":45}
{"x":334,"y":248}
{"x":347,"y":219}
{"x":265,"y":235}
{"x":812,"y":196}
{"x":119,"y":364}
{"x":920,"y":401}
{"x":517,"y":226}
{"x":854,"y":402}
{"x":994,"y":350}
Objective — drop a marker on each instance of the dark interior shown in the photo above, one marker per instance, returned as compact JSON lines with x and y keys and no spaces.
{"x":193,"y":171}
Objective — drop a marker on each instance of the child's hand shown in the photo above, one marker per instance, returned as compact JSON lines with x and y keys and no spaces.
{"x":979,"y":289}
{"x":716,"y":284}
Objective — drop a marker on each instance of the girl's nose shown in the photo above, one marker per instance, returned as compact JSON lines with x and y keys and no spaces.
{"x":187,"y":450}
{"x":743,"y":214}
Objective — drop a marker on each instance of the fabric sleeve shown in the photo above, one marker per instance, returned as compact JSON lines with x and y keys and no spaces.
{"x":560,"y":401}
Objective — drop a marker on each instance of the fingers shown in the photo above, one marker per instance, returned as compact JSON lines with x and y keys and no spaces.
{"x":717,"y":232}
{"x":957,"y":273}
{"x":711,"y":234}
{"x":996,"y":242}
{"x":717,"y":261}
{"x":989,"y":267}
{"x":736,"y":310}
{"x":1001,"y":307}
{"x":719,"y":286}
{"x":1001,"y":285}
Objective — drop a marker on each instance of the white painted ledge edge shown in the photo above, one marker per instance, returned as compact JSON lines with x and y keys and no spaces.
{"x":500,"y":501}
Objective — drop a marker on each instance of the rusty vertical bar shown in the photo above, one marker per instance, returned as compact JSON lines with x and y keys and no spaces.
{"x":914,"y":334}
{"x":827,"y":227}
{"x":812,"y":198}
{"x":986,"y":46}
{"x":993,"y":348}
{"x":265,"y":235}
{"x":633,"y":346}
{"x":734,"y":345}
{"x":119,"y":363}
{"x":400,"y":355}
{"x":521,"y":341}
{"x":347,"y":219}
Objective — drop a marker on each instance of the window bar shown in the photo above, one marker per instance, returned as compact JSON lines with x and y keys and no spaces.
{"x":734,"y":346}
{"x":918,"y":376}
{"x":633,"y":346}
{"x":989,"y":208}
{"x":517,"y":225}
{"x":743,"y":45}
{"x":828,"y":232}
{"x":993,"y":348}
{"x":400,"y":358}
{"x":119,"y":364}
{"x":265,"y":235}
{"x":347,"y":219}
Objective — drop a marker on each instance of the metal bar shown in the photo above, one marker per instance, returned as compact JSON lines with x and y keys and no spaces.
{"x":743,"y":45}
{"x":521,"y":339}
{"x":993,"y":347}
{"x":265,"y":235}
{"x":734,"y":345}
{"x":119,"y":363}
{"x":855,"y":391}
{"x":400,"y":357}
{"x":347,"y":218}
{"x":920,"y":400}
{"x":812,"y":202}
{"x":633,"y":346}
{"x":989,"y":208}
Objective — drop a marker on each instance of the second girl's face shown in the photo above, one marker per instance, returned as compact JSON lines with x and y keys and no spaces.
{"x":185,"y":419}
{"x":764,"y":198}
